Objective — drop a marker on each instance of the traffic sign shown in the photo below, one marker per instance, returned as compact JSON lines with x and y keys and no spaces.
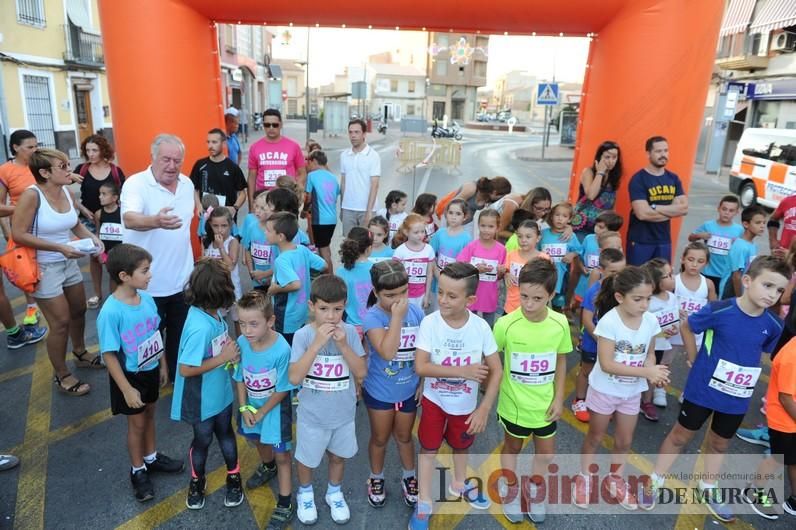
{"x":547,"y":94}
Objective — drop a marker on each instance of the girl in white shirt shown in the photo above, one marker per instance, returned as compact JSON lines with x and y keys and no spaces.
{"x":416,"y":255}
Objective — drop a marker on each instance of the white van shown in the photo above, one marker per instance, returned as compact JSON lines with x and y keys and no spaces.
{"x":764,"y":167}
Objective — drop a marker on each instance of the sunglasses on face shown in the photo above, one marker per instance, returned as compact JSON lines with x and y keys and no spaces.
{"x":271,"y":125}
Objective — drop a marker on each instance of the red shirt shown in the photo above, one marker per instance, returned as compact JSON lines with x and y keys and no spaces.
{"x":787,"y":211}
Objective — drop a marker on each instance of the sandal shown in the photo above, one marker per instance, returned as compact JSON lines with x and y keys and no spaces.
{"x":93,"y":302}
{"x":73,"y":390}
{"x":80,"y":362}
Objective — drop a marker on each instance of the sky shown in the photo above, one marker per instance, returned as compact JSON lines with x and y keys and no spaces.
{"x":332,"y":49}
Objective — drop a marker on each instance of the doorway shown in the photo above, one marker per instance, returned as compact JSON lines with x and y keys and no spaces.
{"x":85,"y":123}
{"x":438,"y":110}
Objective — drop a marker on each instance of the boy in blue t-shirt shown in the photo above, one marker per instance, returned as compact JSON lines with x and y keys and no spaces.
{"x":291,"y":282}
{"x":589,"y":258}
{"x":132,"y":348}
{"x":743,"y":250}
{"x":323,"y":190}
{"x":612,"y":261}
{"x":723,"y":374}
{"x":719,"y":235}
{"x":259,"y":255}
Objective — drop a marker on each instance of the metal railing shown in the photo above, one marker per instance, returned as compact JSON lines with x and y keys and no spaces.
{"x":82,"y":47}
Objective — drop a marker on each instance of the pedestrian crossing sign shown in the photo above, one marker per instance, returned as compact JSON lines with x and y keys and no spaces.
{"x":547,"y":94}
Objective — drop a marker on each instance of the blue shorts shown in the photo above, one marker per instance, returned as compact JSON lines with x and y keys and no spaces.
{"x":281,"y":447}
{"x":640,"y":253}
{"x":409,"y":406}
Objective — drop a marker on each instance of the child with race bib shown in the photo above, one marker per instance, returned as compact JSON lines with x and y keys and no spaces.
{"x":263,"y":387}
{"x":259,"y":254}
{"x":219,"y":244}
{"x":394,"y":212}
{"x":488,"y":256}
{"x":448,"y":241}
{"x":528,"y":235}
{"x":606,"y":240}
{"x":743,"y":250}
{"x":535,"y":341}
{"x":562,"y":252}
{"x":379,"y":230}
{"x":589,"y":258}
{"x":455,"y":352}
{"x":109,"y":230}
{"x":719,"y":236}
{"x":203,"y":388}
{"x":417,"y":257}
{"x":625,"y":335}
{"x":391,"y":390}
{"x":327,"y":360}
{"x":286,"y":200}
{"x":354,"y":254}
{"x":724,"y":373}
{"x":132,"y":348}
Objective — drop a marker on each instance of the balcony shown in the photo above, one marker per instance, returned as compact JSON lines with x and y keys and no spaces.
{"x":742,"y":62}
{"x":83,"y":48}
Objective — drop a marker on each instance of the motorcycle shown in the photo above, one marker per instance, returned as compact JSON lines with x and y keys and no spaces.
{"x":258,"y":121}
{"x":382,"y":127}
{"x":441,"y":132}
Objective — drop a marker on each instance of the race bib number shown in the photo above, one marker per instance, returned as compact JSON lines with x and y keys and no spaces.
{"x":150,"y":351}
{"x":453,"y":387}
{"x":556,"y":251}
{"x":259,"y":385}
{"x":430,"y":229}
{"x":416,"y":270}
{"x":514,"y":270}
{"x":628,"y":359}
{"x":734,"y":380}
{"x":443,"y":261}
{"x":110,"y":232}
{"x":667,"y":318}
{"x":270,"y":176}
{"x":533,"y":368}
{"x":719,"y":245}
{"x":592,"y":261}
{"x":491,"y":274}
{"x":212,"y":252}
{"x":329,"y":373}
{"x":218,"y":344}
{"x":691,"y":305}
{"x":453,"y":357}
{"x":222,"y":199}
{"x":262,"y":254}
{"x":406,"y":345}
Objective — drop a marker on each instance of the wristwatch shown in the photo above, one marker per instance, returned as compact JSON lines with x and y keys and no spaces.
{"x":653,"y":206}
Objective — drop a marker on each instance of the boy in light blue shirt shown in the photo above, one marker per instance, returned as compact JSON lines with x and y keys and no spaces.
{"x":323,"y":190}
{"x":743,"y":250}
{"x":719,"y":235}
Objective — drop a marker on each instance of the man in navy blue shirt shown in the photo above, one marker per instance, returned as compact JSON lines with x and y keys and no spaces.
{"x":656,"y":197}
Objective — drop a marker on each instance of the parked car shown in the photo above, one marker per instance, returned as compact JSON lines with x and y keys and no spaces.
{"x":764,"y":167}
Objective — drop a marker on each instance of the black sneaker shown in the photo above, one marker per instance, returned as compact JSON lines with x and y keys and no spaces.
{"x":760,"y":503}
{"x":142,"y":486}
{"x":165,"y":464}
{"x":281,"y":517}
{"x":261,"y":476}
{"x":790,"y":505}
{"x":234,"y":494}
{"x":196,"y":494}
{"x":376,"y":495}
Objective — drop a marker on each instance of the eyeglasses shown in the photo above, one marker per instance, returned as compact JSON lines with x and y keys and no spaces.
{"x":541,"y":209}
{"x":271,"y":125}
{"x":64,"y":166}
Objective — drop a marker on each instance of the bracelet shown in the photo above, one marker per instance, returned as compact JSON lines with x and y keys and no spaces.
{"x":249,"y":408}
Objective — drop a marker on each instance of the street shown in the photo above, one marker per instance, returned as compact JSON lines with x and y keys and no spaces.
{"x":74,"y":470}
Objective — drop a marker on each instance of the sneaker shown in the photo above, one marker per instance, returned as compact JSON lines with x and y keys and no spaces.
{"x":580,"y":411}
{"x":790,"y":505}
{"x":537,"y":511}
{"x":234,"y":494}
{"x":165,"y":464}
{"x":620,"y":492}
{"x":715,"y":503}
{"x":196,"y":494}
{"x":659,"y":397}
{"x":31,"y":317}
{"x":261,"y":476}
{"x":8,"y":462}
{"x":409,"y":487}
{"x":376,"y":496}
{"x":474,"y":498}
{"x":281,"y":517}
{"x":142,"y":486}
{"x":760,"y":502}
{"x":512,"y":505}
{"x":419,"y":520}
{"x":648,"y":494}
{"x":26,"y":335}
{"x":339,"y":509}
{"x":581,"y":492}
{"x":649,"y":411}
{"x":306,"y":511}
{"x":757,"y":436}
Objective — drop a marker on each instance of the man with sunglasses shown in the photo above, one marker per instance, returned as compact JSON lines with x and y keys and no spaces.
{"x":273,"y":156}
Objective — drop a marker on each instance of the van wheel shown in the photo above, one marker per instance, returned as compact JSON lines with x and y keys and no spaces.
{"x":747,"y":194}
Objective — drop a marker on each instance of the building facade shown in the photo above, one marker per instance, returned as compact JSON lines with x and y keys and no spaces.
{"x":396,"y":91}
{"x":245,"y":54}
{"x":52,"y":73}
{"x":452,"y":87}
{"x":294,"y":83}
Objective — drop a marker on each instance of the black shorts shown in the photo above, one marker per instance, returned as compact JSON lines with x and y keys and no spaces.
{"x":322,"y":235}
{"x":658,"y":356}
{"x":526,"y":432}
{"x":783,"y":443}
{"x":693,"y":416}
{"x":147,"y":383}
{"x":588,"y":357}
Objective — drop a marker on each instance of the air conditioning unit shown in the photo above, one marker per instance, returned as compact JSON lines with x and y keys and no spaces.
{"x":784,"y":42}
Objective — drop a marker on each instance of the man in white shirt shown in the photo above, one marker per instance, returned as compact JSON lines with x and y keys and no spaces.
{"x":360,"y":168}
{"x":157,"y":209}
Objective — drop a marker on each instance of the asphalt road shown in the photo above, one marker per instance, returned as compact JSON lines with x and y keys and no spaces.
{"x":74,"y":461}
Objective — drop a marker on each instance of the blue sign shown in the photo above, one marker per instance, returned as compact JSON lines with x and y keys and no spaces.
{"x":547,"y":94}
{"x":775,"y":89}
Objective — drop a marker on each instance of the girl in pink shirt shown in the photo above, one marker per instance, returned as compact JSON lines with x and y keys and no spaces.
{"x":489,"y":256}
{"x":415,"y":255}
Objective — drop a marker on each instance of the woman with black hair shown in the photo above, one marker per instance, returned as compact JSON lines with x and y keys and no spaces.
{"x":598,"y":186}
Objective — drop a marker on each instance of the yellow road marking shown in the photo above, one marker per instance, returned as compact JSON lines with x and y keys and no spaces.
{"x":17,"y":372}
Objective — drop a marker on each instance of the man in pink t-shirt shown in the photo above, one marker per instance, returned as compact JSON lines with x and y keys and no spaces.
{"x":274,"y":156}
{"x":786,"y":210}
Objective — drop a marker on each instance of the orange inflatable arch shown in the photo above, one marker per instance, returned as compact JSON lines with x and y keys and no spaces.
{"x":648,"y":69}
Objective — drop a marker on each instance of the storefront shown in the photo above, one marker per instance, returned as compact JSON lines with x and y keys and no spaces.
{"x":773,"y":103}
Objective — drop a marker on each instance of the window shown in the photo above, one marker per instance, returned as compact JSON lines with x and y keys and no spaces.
{"x":292,"y":87}
{"x":480,"y":68}
{"x":442,"y":40}
{"x":39,"y":109}
{"x":31,"y":12}
{"x":411,"y":89}
{"x":441,"y":67}
{"x":393,"y":85}
{"x":410,"y":109}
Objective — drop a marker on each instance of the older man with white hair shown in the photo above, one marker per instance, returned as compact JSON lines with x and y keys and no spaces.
{"x":157,"y":208}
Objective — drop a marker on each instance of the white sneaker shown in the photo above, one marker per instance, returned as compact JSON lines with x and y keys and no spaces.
{"x":537,"y":511}
{"x":338,"y":507}
{"x":659,"y":397}
{"x":305,"y":508}
{"x":512,"y":509}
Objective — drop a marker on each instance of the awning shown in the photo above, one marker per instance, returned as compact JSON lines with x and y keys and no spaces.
{"x":773,"y":14}
{"x":78,"y":14}
{"x":736,"y":17}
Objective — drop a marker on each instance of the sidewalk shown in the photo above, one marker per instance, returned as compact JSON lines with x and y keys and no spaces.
{"x":552,"y":153}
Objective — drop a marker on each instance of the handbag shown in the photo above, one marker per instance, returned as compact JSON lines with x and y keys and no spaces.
{"x":19,"y":263}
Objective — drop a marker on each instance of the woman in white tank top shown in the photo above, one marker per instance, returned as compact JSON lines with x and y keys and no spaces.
{"x":46,"y":220}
